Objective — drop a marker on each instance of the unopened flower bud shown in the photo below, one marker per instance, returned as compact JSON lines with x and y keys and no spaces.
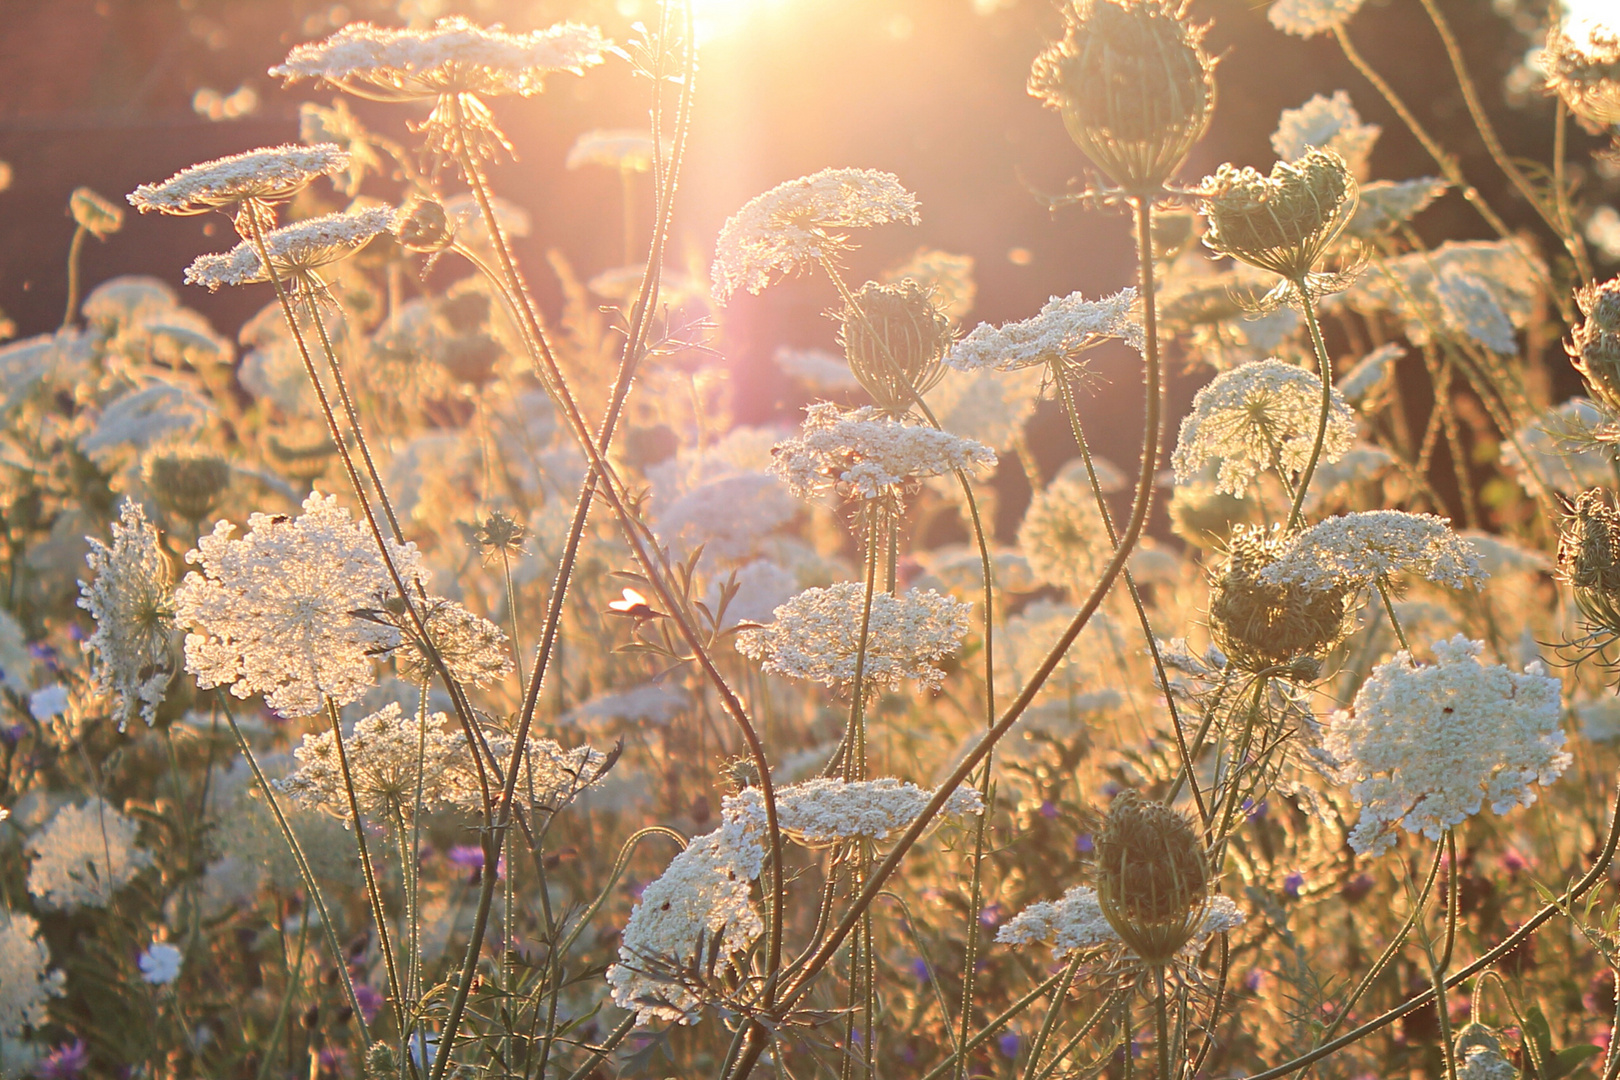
{"x":1152,"y":877}
{"x":94,"y":214}
{"x":187,"y":485}
{"x":1284,"y":628}
{"x":423,"y":226}
{"x":1283,"y":222}
{"x":1594,"y":346}
{"x":1133,"y":84}
{"x":895,"y":340}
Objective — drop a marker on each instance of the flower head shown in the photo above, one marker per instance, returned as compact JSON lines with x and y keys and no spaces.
{"x":793,"y":224}
{"x":1594,"y":346}
{"x":1066,"y":327}
{"x":84,"y":855}
{"x":1257,"y":416}
{"x":267,"y":175}
{"x":296,"y":250}
{"x":1582,"y":61}
{"x":1307,"y":18}
{"x":160,"y":963}
{"x":390,"y":756}
{"x":1266,"y":625}
{"x":1076,"y":921}
{"x":895,"y":340}
{"x":1331,"y":123}
{"x":280,"y":611}
{"x":1424,"y":745}
{"x":131,"y":599}
{"x":829,"y":810}
{"x":1152,"y":877}
{"x":816,"y":636}
{"x":1284,"y":222}
{"x":867,"y":455}
{"x":1352,"y":550}
{"x":1134,"y":86}
{"x":473,"y":649}
{"x":26,"y":983}
{"x":452,"y":57}
{"x":1063,"y":535}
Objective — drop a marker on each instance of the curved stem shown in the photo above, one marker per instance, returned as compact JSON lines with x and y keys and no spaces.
{"x":1325,"y":373}
{"x":75,"y":250}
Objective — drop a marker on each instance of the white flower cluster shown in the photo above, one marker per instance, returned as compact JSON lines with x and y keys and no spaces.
{"x":629,"y":149}
{"x":131,"y":601}
{"x":701,"y":906}
{"x":1075,"y":921}
{"x":1328,"y":123}
{"x":829,"y":810}
{"x":294,"y":249}
{"x":1063,"y":535}
{"x":1307,"y":18}
{"x":1482,"y":290}
{"x":729,"y":516}
{"x":816,"y":636}
{"x":866,"y":454}
{"x":389,"y":755}
{"x":787,"y":227}
{"x":1065,"y":327}
{"x":275,"y":611}
{"x":452,"y":56}
{"x":1354,"y":549}
{"x":273,"y":172}
{"x":1258,"y":416}
{"x":548,"y":776}
{"x":84,"y":855}
{"x":1424,"y":745}
{"x":26,"y":983}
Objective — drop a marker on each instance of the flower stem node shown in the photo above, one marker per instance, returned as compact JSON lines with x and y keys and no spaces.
{"x":895,"y":340}
{"x":1152,"y":877}
{"x":1134,"y":86}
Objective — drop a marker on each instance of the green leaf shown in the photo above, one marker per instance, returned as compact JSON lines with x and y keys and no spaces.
{"x":1569,"y":1059}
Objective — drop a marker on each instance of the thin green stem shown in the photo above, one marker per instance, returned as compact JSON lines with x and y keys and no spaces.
{"x":1324,"y":368}
{"x":1389,"y":609}
{"x":75,"y":251}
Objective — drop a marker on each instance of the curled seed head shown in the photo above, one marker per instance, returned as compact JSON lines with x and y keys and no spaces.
{"x":1133,"y":84}
{"x":1589,"y":558}
{"x":1264,"y":627}
{"x":895,"y":340}
{"x":1152,"y":877}
{"x":1594,"y":346}
{"x":1283,"y":222}
{"x":187,"y":485}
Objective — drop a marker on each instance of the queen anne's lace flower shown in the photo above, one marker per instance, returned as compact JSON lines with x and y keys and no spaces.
{"x":389,"y":754}
{"x":548,"y":777}
{"x":473,"y":649}
{"x":816,"y":636}
{"x":272,"y":173}
{"x":699,"y":907}
{"x":1307,"y":18}
{"x":825,"y":811}
{"x":1076,"y":921}
{"x":295,"y":250}
{"x":1063,"y":536}
{"x":1330,"y":123}
{"x":131,"y":600}
{"x":1425,"y":745}
{"x":788,"y":226}
{"x":26,"y":983}
{"x":84,"y":855}
{"x":1065,"y":327}
{"x":275,"y":612}
{"x":1354,"y":549}
{"x":1259,"y":416}
{"x":454,"y":56}
{"x":866,"y":455}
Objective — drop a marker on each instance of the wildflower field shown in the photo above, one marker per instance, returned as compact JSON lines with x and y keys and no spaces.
{"x":579,"y":613}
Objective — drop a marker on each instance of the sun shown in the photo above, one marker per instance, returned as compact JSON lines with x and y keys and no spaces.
{"x":720,"y":18}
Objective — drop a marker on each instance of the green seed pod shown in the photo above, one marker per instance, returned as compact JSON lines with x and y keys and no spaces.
{"x":1284,"y":222}
{"x":1152,"y":877}
{"x":1264,"y":627}
{"x":1589,"y":558}
{"x":895,"y":340}
{"x":1134,"y":86}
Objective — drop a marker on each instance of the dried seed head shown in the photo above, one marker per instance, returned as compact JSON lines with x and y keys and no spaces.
{"x":423,"y":225}
{"x":1133,"y":84}
{"x":469,"y":358}
{"x":1594,"y":346}
{"x":895,"y":340}
{"x":187,"y":485}
{"x":1589,"y":558}
{"x":1152,"y":877}
{"x":1583,"y":67}
{"x":1283,"y":222}
{"x":305,"y":458}
{"x":1264,"y":627}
